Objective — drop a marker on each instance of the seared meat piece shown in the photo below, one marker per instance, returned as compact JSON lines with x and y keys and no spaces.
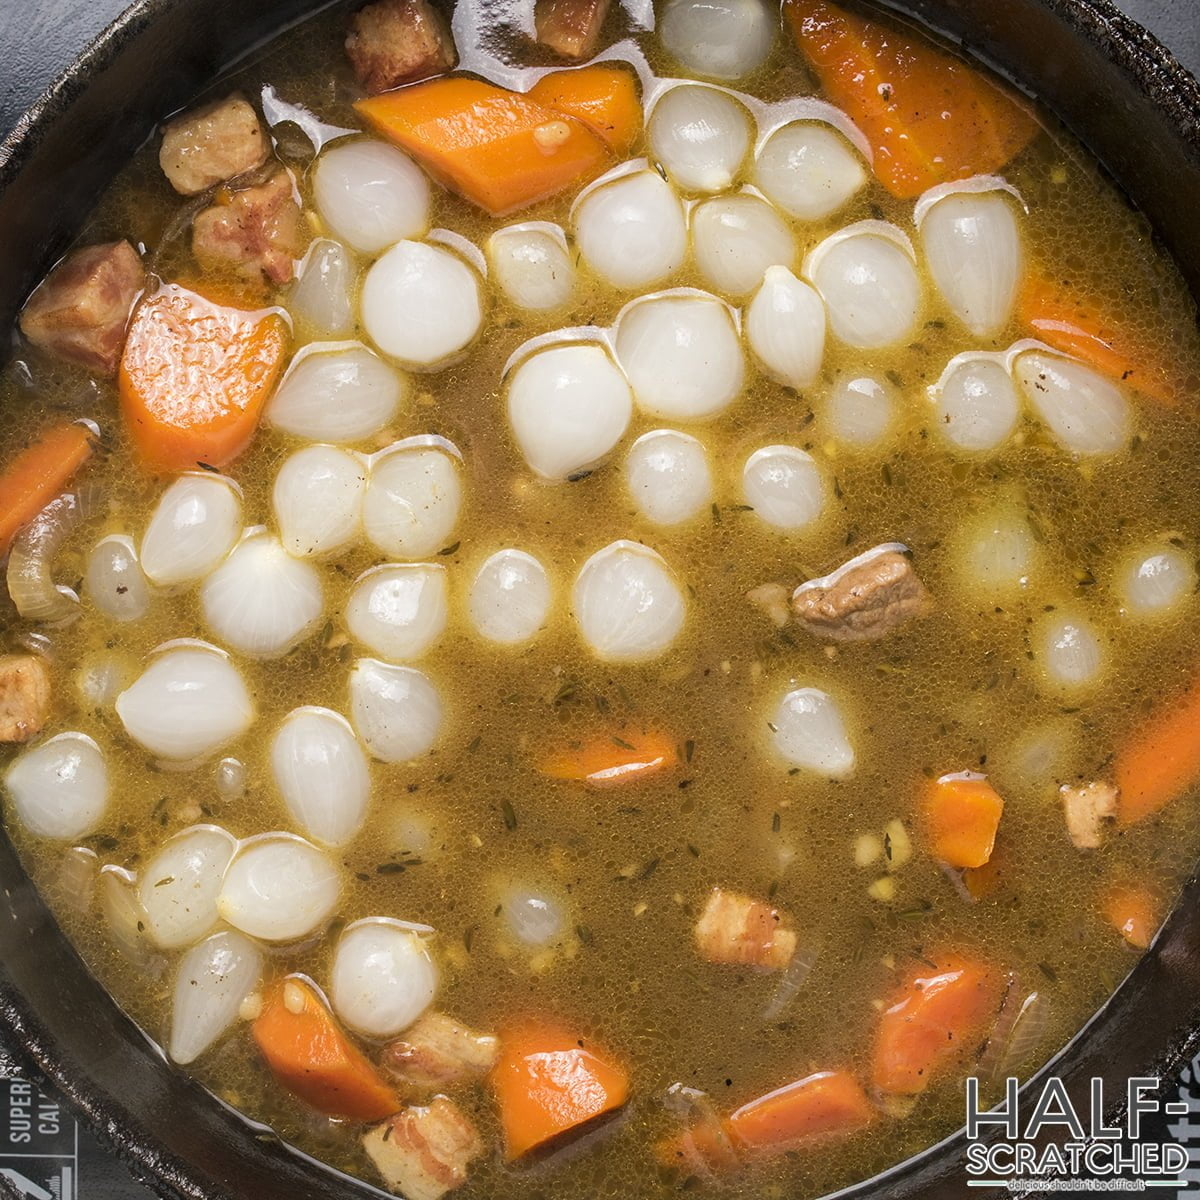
{"x":570,"y":27}
{"x":80,"y":310}
{"x":864,"y":599}
{"x":257,"y":232}
{"x":1087,"y":806}
{"x":422,"y":1153}
{"x":398,"y":41}
{"x":24,"y":696}
{"x":212,"y":144}
{"x":438,"y":1052}
{"x":736,"y":929}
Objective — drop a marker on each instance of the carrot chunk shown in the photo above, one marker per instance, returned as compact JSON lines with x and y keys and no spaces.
{"x":546,"y":1083}
{"x":499,"y":149}
{"x":195,"y":376}
{"x":314,"y":1059}
{"x":1132,"y":911}
{"x":610,"y":761}
{"x":820,"y":1105}
{"x":962,"y":814}
{"x":934,"y":1023}
{"x":929,"y":117}
{"x":604,"y":97}
{"x":38,"y":474}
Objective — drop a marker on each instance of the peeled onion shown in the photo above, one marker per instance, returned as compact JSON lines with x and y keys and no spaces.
{"x":412,"y":501}
{"x":101,"y":677}
{"x":124,"y":917}
{"x":532,"y":266}
{"x":31,"y":561}
{"x":396,"y":710}
{"x":510,"y":597}
{"x":317,"y":499}
{"x":808,"y":170}
{"x":196,"y":522}
{"x":279,"y":888}
{"x":371,"y":194}
{"x":59,"y":787}
{"x":785,"y":326}
{"x":261,"y":601}
{"x":186,"y":704}
{"x":1155,"y":580}
{"x":736,"y":238}
{"x":336,"y":392}
{"x":867,"y":276}
{"x":631,"y":230}
{"x":668,"y":476}
{"x":114,"y":579}
{"x":784,"y":487}
{"x":321,"y":774}
{"x":1069,"y":651}
{"x":999,"y":551}
{"x":568,"y":407}
{"x":383,"y":978}
{"x":809,"y":732}
{"x":178,"y":887}
{"x":399,"y":611}
{"x":681,"y":354}
{"x":627,"y":603}
{"x":699,"y":135}
{"x":861,"y":409}
{"x":211,"y":981}
{"x":725,"y":39}
{"x":421,"y":303}
{"x":975,"y":402}
{"x":534,"y":918}
{"x":321,"y":296}
{"x":1084,"y":411}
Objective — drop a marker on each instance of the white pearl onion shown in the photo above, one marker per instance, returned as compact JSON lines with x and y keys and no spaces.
{"x":321,"y":296}
{"x":861,"y":409}
{"x":700,"y":136}
{"x":1086,"y":413}
{"x":1069,"y":651}
{"x":976,"y":406}
{"x":370,"y":194}
{"x":725,"y":39}
{"x":510,"y":597}
{"x":736,"y":238}
{"x":808,"y":170}
{"x":668,"y":476}
{"x":399,"y":610}
{"x":421,"y":304}
{"x":211,"y":981}
{"x":784,"y":487}
{"x":195,"y":524}
{"x":178,"y":887}
{"x":114,"y":580}
{"x":568,"y":407}
{"x":999,"y":552}
{"x":533,"y":917}
{"x":396,"y":710}
{"x":383,"y":978}
{"x":809,"y":731}
{"x":785,"y":326}
{"x":317,"y":500}
{"x":627,"y":603}
{"x":412,"y":501}
{"x":1154,"y":580}
{"x":59,"y":787}
{"x":681,"y":354}
{"x":531,"y":265}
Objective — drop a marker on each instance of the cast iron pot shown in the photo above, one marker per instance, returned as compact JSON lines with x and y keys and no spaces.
{"x":1119,"y":91}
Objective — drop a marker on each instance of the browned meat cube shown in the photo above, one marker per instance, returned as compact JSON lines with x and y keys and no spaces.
{"x":570,"y":27}
{"x":80,"y":310}
{"x":438,"y":1052}
{"x":736,"y":929}
{"x":24,"y":696}
{"x":864,"y":599}
{"x":422,"y":1153}
{"x":398,"y":41}
{"x":1087,"y":806}
{"x":212,"y":144}
{"x":257,"y":232}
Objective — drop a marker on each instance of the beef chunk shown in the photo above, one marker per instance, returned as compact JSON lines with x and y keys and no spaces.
{"x":736,"y":929}
{"x":398,"y":41}
{"x":24,"y":696}
{"x":212,"y":144}
{"x":423,"y":1152}
{"x":863,"y":600}
{"x":1087,"y":807}
{"x":80,"y":310}
{"x":257,"y":232}
{"x":570,"y":27}
{"x":438,"y":1052}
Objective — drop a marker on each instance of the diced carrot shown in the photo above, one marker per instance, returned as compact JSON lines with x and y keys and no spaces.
{"x":962,"y":814}
{"x":37,"y":474}
{"x":603,"y":96}
{"x":195,"y":376}
{"x":499,"y":149}
{"x":820,"y":1105}
{"x":935,"y":1022}
{"x":703,"y":1147}
{"x":1132,"y":910}
{"x":310,"y":1055}
{"x":546,"y":1083}
{"x":986,"y":880}
{"x":609,"y":761}
{"x":929,"y":117}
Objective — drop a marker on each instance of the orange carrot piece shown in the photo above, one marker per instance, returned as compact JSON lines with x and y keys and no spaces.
{"x":604,"y":97}
{"x":609,"y":762}
{"x":988,"y":879}
{"x":929,"y":117}
{"x":934,"y":1022}
{"x":962,"y":814}
{"x":310,"y":1055}
{"x":820,"y":1105}
{"x":499,"y":149}
{"x":38,"y":474}
{"x":1132,"y":910}
{"x":195,"y":376}
{"x":546,"y":1083}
